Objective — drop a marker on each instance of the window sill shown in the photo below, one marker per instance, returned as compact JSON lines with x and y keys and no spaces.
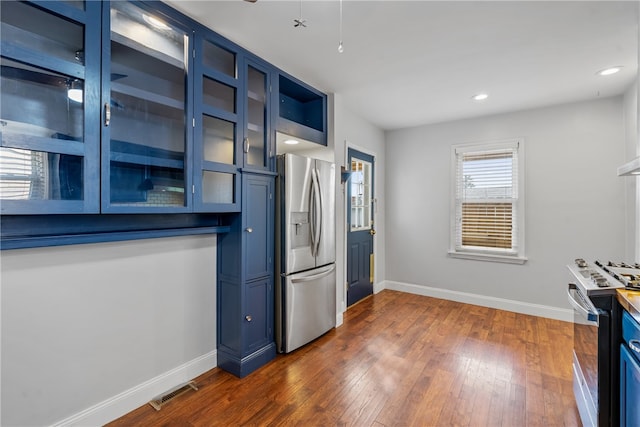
{"x":508,"y":259}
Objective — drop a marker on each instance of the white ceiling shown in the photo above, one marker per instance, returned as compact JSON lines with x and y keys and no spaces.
{"x":408,"y":63}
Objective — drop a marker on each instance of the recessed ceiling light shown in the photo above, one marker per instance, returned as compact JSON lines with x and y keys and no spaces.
{"x":480,"y":97}
{"x":609,"y":71}
{"x":291,"y":142}
{"x":155,"y":22}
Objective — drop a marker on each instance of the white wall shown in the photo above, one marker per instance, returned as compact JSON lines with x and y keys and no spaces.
{"x":352,"y":130}
{"x":84,"y":324}
{"x":632,"y":150}
{"x":575,"y":203}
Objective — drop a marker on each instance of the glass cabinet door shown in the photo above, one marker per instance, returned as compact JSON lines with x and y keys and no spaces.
{"x":216,"y":111}
{"x":144,"y":119}
{"x":256,"y":141}
{"x":48,"y":138}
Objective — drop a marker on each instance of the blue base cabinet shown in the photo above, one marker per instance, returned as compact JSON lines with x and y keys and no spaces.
{"x":630,"y":372}
{"x":245,"y":281}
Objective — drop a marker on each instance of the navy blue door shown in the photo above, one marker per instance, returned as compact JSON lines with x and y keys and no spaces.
{"x":360,"y":229}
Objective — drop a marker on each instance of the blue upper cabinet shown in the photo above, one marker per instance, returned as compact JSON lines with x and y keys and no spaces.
{"x":302,"y":110}
{"x":147,"y":124}
{"x":49,"y":132}
{"x":130,"y":107}
{"x":217,"y":126}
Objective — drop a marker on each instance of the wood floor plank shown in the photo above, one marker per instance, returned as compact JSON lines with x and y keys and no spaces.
{"x":398,"y":360}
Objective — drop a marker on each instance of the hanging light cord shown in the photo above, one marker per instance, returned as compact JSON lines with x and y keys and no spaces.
{"x":302,"y":23}
{"x":340,"y":46}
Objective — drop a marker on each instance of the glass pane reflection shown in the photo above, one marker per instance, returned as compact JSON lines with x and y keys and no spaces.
{"x":35,"y":29}
{"x":36,"y":102}
{"x":134,"y":185}
{"x":219,"y":59}
{"x":257,"y":111}
{"x":218,"y":187}
{"x":218,"y":95}
{"x":36,"y":175}
{"x":218,"y":140}
{"x":75,"y":3}
{"x":148,"y":77}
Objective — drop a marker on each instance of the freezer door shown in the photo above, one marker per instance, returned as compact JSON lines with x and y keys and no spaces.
{"x":310,"y":306}
{"x":296,"y":213}
{"x":326,"y":245}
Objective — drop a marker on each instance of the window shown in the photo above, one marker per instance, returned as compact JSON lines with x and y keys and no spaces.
{"x":487,"y":201}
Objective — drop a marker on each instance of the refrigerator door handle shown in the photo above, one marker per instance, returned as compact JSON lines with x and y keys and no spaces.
{"x":316,"y":212}
{"x":319,"y":211}
{"x":315,"y":276}
{"x":312,"y":213}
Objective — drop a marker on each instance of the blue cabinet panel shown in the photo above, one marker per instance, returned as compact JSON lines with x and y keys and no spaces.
{"x":630,"y":372}
{"x":629,"y":388}
{"x":230,"y":307}
{"x":259,"y":314}
{"x":259,"y":225}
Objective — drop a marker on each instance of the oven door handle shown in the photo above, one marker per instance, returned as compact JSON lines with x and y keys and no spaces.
{"x":591,"y":316}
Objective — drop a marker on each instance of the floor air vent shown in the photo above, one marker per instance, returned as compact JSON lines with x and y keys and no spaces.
{"x":159,"y":401}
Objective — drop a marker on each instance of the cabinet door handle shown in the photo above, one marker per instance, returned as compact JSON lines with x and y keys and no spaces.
{"x":249,"y":230}
{"x":246,"y":145}
{"x":635,"y":345}
{"x":248,"y":318}
{"x":107,"y":114}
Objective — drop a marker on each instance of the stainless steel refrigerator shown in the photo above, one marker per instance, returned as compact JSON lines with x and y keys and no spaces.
{"x":305,"y":250}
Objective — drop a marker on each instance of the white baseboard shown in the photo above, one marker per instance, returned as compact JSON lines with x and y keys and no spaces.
{"x":139,"y":395}
{"x":377,"y":287}
{"x":339,"y":319}
{"x":483,"y":300}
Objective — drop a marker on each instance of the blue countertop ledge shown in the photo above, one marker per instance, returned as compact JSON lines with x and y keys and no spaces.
{"x":76,"y":239}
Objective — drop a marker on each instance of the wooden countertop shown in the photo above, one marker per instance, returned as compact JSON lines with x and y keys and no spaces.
{"x":630,"y":300}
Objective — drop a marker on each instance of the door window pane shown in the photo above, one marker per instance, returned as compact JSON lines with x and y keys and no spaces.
{"x":43,"y":32}
{"x":219,"y":59}
{"x":147,"y":126}
{"x":360,"y":195}
{"x":218,"y":140}
{"x":37,"y":175}
{"x":218,"y":187}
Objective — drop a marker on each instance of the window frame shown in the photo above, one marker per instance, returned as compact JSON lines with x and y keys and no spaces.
{"x":478,"y":253}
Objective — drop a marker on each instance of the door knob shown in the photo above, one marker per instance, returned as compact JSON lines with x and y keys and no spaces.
{"x":372,"y":231}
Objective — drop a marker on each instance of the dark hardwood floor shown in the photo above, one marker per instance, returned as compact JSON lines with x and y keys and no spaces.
{"x":398,"y":360}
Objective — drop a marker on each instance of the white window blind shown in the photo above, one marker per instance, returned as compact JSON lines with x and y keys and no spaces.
{"x":486,"y":199}
{"x":22,"y":174}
